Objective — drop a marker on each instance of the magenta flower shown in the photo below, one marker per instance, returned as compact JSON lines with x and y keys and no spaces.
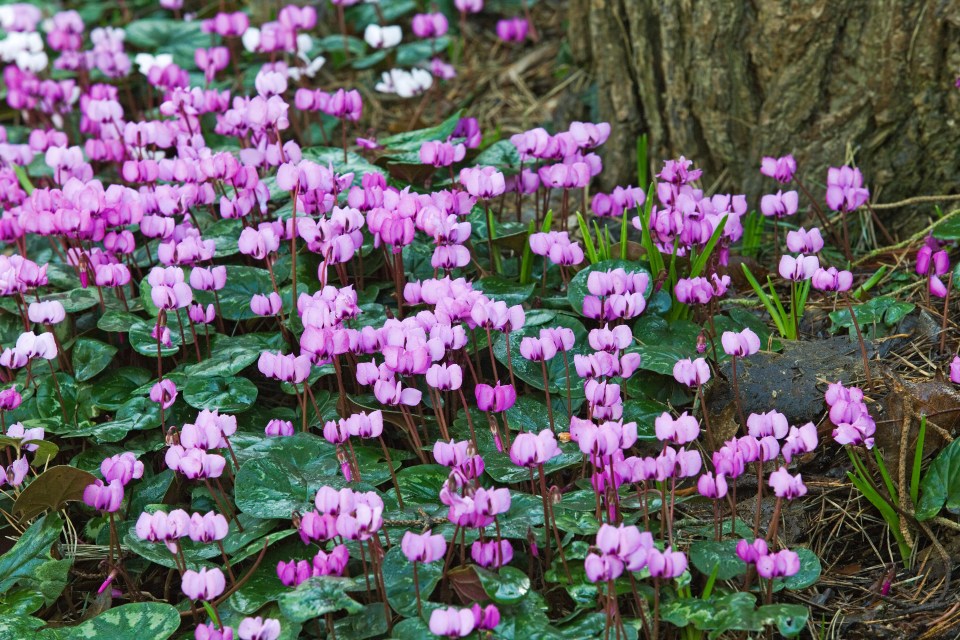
{"x":210,"y":631}
{"x":955,"y":370}
{"x":278,"y":427}
{"x":441,"y":154}
{"x":122,"y":467}
{"x":785,"y":485}
{"x":845,"y":190}
{"x":803,"y":241}
{"x":781,"y":564}
{"x":259,"y":629}
{"x":491,"y":554}
{"x":10,"y":399}
{"x":429,"y":25}
{"x":712,"y":487}
{"x":425,"y":547}
{"x":772,"y":423}
{"x":800,"y":440}
{"x":666,"y":564}
{"x":682,"y":430}
{"x":451,"y":454}
{"x":393,"y":393}
{"x":487,"y":618}
{"x":497,"y":398}
{"x":445,"y":377}
{"x":780,"y":169}
{"x":742,"y":344}
{"x":692,"y":373}
{"x":601,"y":568}
{"x":452,"y":622}
{"x":532,"y":450}
{"x":512,"y":30}
{"x":751,"y":552}
{"x":537,"y":350}
{"x":266,"y":305}
{"x":831,"y":280}
{"x":208,"y":527}
{"x":293,"y":573}
{"x":799,"y":268}
{"x":205,"y":584}
{"x":106,"y":498}
{"x":779,"y":205}
{"x":51,"y":312}
{"x":482,"y":182}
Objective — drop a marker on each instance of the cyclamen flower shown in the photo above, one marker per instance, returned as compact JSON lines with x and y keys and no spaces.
{"x":51,"y":312}
{"x":772,"y":423}
{"x":845,"y":190}
{"x":785,"y":485}
{"x":164,"y":393}
{"x":955,"y":370}
{"x":751,"y":552}
{"x":800,"y":440}
{"x":106,"y":498}
{"x":803,"y":241}
{"x":799,"y":268}
{"x":512,"y":30}
{"x":601,"y":568}
{"x":122,"y":467}
{"x":531,"y":450}
{"x":205,"y":584}
{"x":384,"y":37}
{"x":783,"y":564}
{"x":692,"y":373}
{"x":491,"y":554}
{"x":425,"y":547}
{"x":831,"y":280}
{"x":742,"y":344}
{"x":497,"y":398}
{"x":681,"y":430}
{"x":780,"y":169}
{"x":451,"y":622}
{"x":712,"y":487}
{"x":259,"y":629}
{"x":666,"y":564}
{"x":779,"y":205}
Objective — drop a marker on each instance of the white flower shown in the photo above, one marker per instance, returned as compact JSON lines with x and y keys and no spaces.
{"x":304,"y":44}
{"x":405,"y":84}
{"x":309,"y":71}
{"x":145,"y":61}
{"x":25,"y":49}
{"x":251,"y":39}
{"x":382,"y":37}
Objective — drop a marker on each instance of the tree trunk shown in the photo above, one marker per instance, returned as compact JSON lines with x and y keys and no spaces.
{"x":725,"y":82}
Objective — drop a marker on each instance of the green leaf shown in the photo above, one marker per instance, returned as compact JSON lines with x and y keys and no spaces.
{"x":137,"y":621}
{"x":225,"y":234}
{"x":369,"y":623}
{"x":50,"y":579}
{"x":232,"y":354}
{"x":114,"y":321}
{"x":242,"y":284}
{"x":229,"y":395}
{"x":30,"y":552}
{"x":286,"y":478}
{"x":707,"y":554}
{"x":411,"y":53}
{"x":113,"y":390}
{"x":497,"y":288}
{"x":501,"y":154}
{"x":884,"y":310}
{"x":532,"y":372}
{"x":398,"y":579}
{"x":790,"y":619}
{"x":411,"y":140}
{"x":808,"y":575}
{"x":90,"y":357}
{"x":19,"y":626}
{"x":577,"y":289}
{"x":51,"y":490}
{"x":509,"y":586}
{"x":940,"y":486}
{"x":316,"y":597}
{"x":732,"y":612}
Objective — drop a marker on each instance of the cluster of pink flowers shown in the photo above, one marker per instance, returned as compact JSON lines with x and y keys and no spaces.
{"x":685,"y":217}
{"x":933,"y":262}
{"x":190,"y":452}
{"x":850,"y":415}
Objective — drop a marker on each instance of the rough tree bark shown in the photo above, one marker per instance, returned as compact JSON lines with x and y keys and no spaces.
{"x":725,"y":82}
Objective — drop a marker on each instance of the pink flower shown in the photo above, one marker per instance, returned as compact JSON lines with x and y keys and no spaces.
{"x":482,"y":182}
{"x":164,"y":393}
{"x":772,"y":423}
{"x":799,"y":268}
{"x":446,"y":377}
{"x":780,"y":169}
{"x":531,"y":450}
{"x":692,"y":373}
{"x":780,"y":204}
{"x":831,"y":280}
{"x":712,"y":487}
{"x":491,"y":554}
{"x":425,"y":547}
{"x":452,"y":622}
{"x":955,"y":370}
{"x":666,"y":564}
{"x":266,"y":305}
{"x":742,"y":344}
{"x":845,"y":190}
{"x":279,"y":428}
{"x":601,"y":568}
{"x":750,"y":552}
{"x":497,"y":398}
{"x":123,"y":467}
{"x":681,"y":430}
{"x":785,"y":485}
{"x":259,"y":629}
{"x":782,"y":564}
{"x":801,"y":440}
{"x":393,"y":393}
{"x":106,"y":498}
{"x":205,"y":584}
{"x":487,"y":618}
{"x":208,"y":527}
{"x":803,"y":241}
{"x":537,"y":350}
{"x":512,"y":30}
